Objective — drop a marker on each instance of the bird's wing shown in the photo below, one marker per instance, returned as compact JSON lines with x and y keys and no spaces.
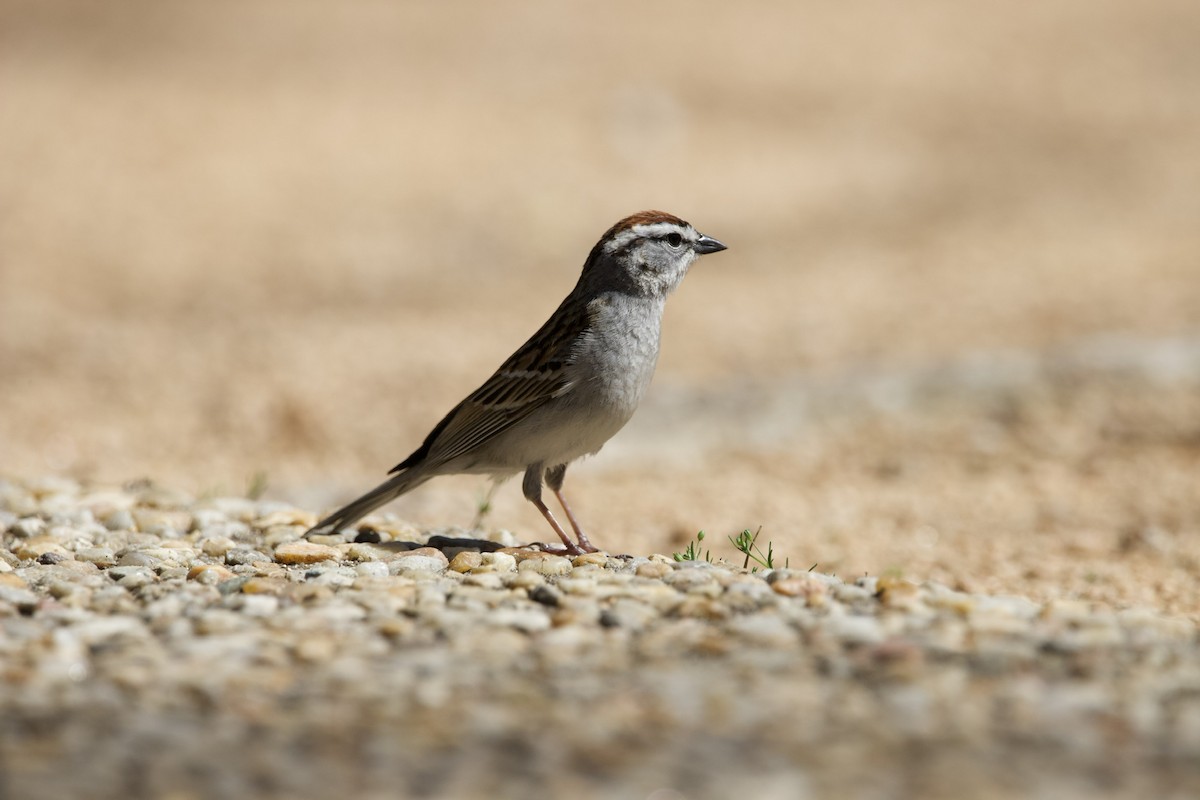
{"x":537,"y":373}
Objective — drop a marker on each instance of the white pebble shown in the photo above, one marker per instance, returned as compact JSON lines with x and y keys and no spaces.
{"x":372,"y":569}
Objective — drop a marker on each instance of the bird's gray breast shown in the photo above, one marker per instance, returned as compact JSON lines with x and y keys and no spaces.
{"x":615,"y":361}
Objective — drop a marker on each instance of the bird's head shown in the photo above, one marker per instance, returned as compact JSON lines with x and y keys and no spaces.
{"x":647,"y":254}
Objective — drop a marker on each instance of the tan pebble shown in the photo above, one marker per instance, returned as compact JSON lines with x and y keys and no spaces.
{"x":546,"y":564}
{"x":118,"y":520}
{"x":27,"y":527}
{"x":174,"y":556}
{"x":427,"y":559}
{"x":566,"y":615}
{"x":1066,"y":610}
{"x":711,"y":589}
{"x":365,"y":552}
{"x":654,"y":569}
{"x":957,"y":602}
{"x":520,"y":553}
{"x":1001,"y":621}
{"x":690,"y":578}
{"x":81,"y":567}
{"x":217,"y":546}
{"x":525,"y":580}
{"x":148,"y":518}
{"x":331,"y":539}
{"x":486,"y":580}
{"x":309,"y":592}
{"x":701,"y":608}
{"x":370,"y":570}
{"x":305,"y":519}
{"x":218,"y":621}
{"x":39,"y":545}
{"x":713,"y":643}
{"x":372,"y":583}
{"x":814,"y":592}
{"x":767,"y":630}
{"x":466,"y":561}
{"x":13,"y":581}
{"x":63,"y":590}
{"x":276,"y":535}
{"x":500,"y":562}
{"x":316,"y":648}
{"x":176,"y":544}
{"x":209,"y":574}
{"x":897,"y":658}
{"x":304,"y":553}
{"x":576,"y":585}
{"x":399,"y":587}
{"x":590,"y":559}
{"x":256,"y":585}
{"x":522,"y":619}
{"x":896,"y":592}
{"x":395,"y":627}
{"x":269,"y":569}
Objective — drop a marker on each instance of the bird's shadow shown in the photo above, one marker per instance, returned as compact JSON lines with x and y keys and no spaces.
{"x":450,"y":546}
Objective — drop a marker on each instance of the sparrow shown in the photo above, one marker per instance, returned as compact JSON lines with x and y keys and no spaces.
{"x":570,"y":387}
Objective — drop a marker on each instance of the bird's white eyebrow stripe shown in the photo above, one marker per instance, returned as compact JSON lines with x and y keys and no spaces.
{"x":647,"y":231}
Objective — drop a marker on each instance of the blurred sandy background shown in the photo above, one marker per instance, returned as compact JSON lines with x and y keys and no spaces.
{"x":956,"y":333}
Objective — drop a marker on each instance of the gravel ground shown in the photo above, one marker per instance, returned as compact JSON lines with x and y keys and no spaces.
{"x":158,"y":645}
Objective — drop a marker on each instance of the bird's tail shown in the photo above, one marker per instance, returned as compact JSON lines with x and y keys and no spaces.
{"x":352,"y":512}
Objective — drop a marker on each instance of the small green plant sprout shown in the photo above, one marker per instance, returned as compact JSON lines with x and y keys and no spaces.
{"x":692,"y":551}
{"x":256,"y":487}
{"x":484,"y":506}
{"x":746,"y":543}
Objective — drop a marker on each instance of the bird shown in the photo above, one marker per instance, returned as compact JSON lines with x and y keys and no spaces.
{"x":565,"y":392}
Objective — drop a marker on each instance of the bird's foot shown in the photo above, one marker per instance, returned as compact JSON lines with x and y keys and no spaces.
{"x":563,"y":549}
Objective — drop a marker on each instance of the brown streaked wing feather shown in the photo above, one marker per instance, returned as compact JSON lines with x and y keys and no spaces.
{"x":532,"y":376}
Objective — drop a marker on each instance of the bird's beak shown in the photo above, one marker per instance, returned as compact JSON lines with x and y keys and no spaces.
{"x":706,"y":244}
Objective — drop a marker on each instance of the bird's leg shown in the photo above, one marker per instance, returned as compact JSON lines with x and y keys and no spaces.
{"x":532,"y":487}
{"x":554,"y":479}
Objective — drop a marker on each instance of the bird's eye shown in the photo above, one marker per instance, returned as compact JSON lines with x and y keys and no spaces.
{"x":674,"y":239}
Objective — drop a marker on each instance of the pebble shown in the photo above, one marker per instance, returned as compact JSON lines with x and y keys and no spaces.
{"x":765,"y":630}
{"x":27,"y":527}
{"x":35,"y":546}
{"x":466,"y":561}
{"x":261,"y":585}
{"x":500,"y":562}
{"x":132,"y":577}
{"x":304,"y":553}
{"x":332,"y":576}
{"x":242,"y":555}
{"x":526,"y":620}
{"x":21,"y":598}
{"x":422,"y":559}
{"x":364,"y":552}
{"x":654,"y":570}
{"x":854,"y":629}
{"x":100,"y":556}
{"x":486,"y":580}
{"x":209,"y":574}
{"x":135,"y":558}
{"x":545,"y":564}
{"x":372,"y":569}
{"x":217,"y":545}
{"x":119,"y":520}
